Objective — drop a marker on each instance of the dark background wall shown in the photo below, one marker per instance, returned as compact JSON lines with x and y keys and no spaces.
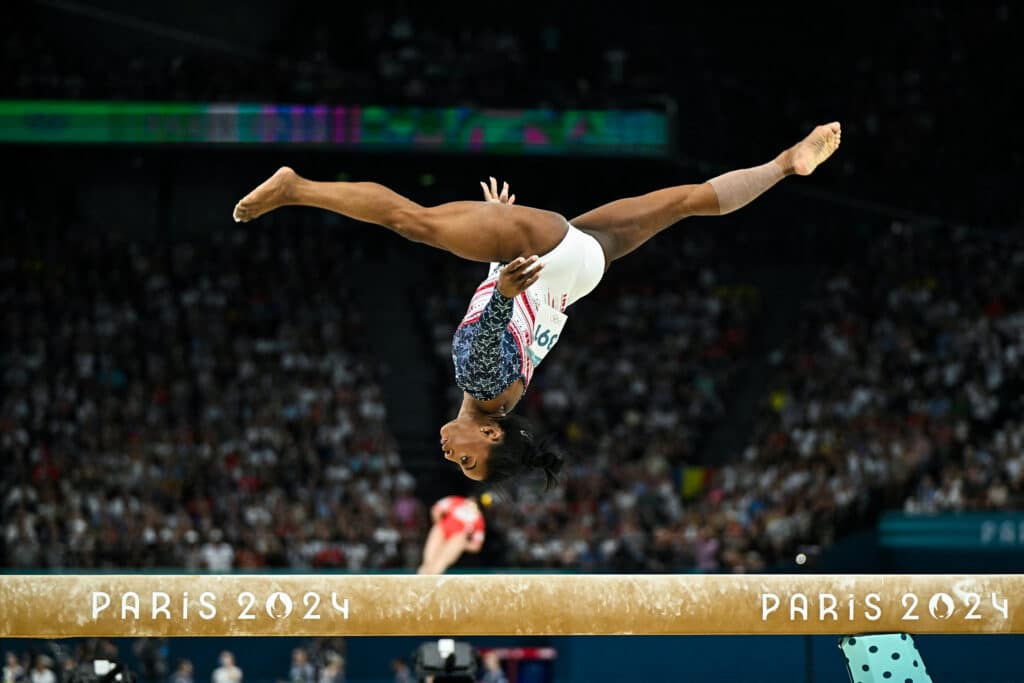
{"x":926,"y":92}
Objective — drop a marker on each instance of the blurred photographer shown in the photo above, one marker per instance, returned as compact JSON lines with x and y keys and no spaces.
{"x":183,"y":673}
{"x":152,"y":654}
{"x":42,"y":672}
{"x":227,"y":672}
{"x":445,"y":661}
{"x":493,"y":673}
{"x":402,"y":672}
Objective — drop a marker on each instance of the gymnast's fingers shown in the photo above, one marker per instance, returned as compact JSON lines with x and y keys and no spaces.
{"x":504,"y":193}
{"x":494,"y":187}
{"x":512,"y":266}
{"x":531,"y":272}
{"x":511,"y":200}
{"x":487,"y":192}
{"x":519,"y":264}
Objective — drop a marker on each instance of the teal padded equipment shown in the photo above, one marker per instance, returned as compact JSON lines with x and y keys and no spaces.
{"x":883,"y":658}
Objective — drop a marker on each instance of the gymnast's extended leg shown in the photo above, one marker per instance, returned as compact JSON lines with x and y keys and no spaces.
{"x":477,"y":231}
{"x":624,"y":225}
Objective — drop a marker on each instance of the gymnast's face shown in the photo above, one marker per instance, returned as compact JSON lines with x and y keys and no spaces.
{"x":468,"y":442}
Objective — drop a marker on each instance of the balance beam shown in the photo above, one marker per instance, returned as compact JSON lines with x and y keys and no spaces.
{"x":131,"y":605}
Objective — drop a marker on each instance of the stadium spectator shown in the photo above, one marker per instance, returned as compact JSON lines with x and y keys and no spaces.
{"x":403,"y":674}
{"x":13,"y":671}
{"x":183,"y":672}
{"x":152,"y":654}
{"x":42,"y":672}
{"x":493,"y":672}
{"x":301,"y":671}
{"x":217,"y":554}
{"x":334,"y":670}
{"x":228,"y":671}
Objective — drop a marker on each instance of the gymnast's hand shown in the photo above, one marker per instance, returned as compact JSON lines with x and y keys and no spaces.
{"x":491,"y":193}
{"x":518,"y":275}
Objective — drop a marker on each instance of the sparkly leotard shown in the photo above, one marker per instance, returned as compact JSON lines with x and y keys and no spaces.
{"x":486,"y":356}
{"x":494,"y":345}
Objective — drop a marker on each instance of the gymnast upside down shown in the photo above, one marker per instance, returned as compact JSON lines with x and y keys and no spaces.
{"x":540,"y":264}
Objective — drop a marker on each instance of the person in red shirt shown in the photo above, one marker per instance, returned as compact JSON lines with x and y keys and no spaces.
{"x":458,"y":528}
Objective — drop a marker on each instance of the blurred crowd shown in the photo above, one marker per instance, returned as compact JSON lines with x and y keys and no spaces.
{"x":645,"y":360}
{"x":987,"y":476}
{"x":57,"y":663}
{"x":900,"y":386}
{"x":201,"y":404}
{"x":321,"y":660}
{"x":905,"y":371}
{"x":374,"y":56}
{"x":638,"y":380}
{"x":318,"y":660}
{"x":905,"y":101}
{"x":206,"y":404}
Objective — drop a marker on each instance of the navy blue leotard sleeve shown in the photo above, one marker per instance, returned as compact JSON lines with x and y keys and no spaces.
{"x":485,"y":354}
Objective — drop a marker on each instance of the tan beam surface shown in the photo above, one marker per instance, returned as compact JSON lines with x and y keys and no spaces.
{"x":53,"y":606}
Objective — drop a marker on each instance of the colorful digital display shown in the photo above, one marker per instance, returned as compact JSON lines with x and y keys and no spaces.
{"x":453,"y":129}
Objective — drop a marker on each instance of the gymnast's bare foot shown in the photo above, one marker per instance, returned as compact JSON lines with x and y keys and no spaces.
{"x":806,"y":155}
{"x":274,"y":192}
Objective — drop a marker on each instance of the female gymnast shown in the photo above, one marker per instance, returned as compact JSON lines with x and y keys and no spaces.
{"x":458,"y":528}
{"x":540,"y":264}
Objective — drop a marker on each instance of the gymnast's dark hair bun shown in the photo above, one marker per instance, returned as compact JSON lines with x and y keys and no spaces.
{"x":549,"y":460}
{"x":521,"y":451}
